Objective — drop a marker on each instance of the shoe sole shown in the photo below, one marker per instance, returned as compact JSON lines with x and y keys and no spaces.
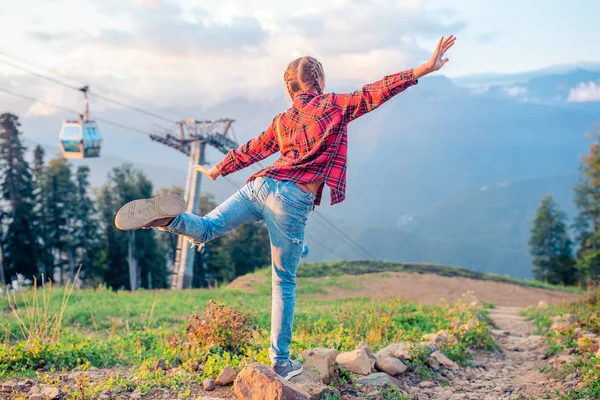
{"x":293,"y":373}
{"x":139,"y":213}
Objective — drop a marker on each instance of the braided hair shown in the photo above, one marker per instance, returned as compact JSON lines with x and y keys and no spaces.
{"x":304,"y":74}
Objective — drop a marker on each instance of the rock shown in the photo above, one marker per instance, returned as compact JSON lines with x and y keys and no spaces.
{"x":444,"y":360}
{"x":37,"y":396}
{"x":426,"y":385}
{"x":373,"y":360}
{"x":433,"y":363}
{"x":316,"y":389}
{"x":320,"y":363}
{"x":50,"y":392}
{"x":390,"y":365}
{"x":570,"y":377}
{"x":226,"y":376}
{"x":429,"y":347}
{"x":374,"y":395}
{"x":103,"y":396}
{"x":440,"y":337}
{"x":398,"y":350}
{"x":365,"y":347}
{"x":509,"y":389}
{"x":378,"y":380}
{"x":161,"y":364}
{"x":469,"y":374}
{"x":208,"y":384}
{"x":136,"y":395}
{"x":356,"y":361}
{"x":9,"y":386}
{"x":34,"y":389}
{"x":259,"y":382}
{"x":589,"y":343}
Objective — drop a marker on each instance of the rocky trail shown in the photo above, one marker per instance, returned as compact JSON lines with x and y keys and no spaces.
{"x":512,"y":373}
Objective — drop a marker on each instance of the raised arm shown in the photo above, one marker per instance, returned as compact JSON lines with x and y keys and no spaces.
{"x":371,"y":96}
{"x":253,"y":151}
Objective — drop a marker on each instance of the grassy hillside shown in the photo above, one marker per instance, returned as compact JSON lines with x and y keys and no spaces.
{"x":366,"y":267}
{"x":132,"y":333}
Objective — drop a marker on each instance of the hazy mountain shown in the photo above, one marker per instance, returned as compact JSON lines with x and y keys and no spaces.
{"x":418,"y":167}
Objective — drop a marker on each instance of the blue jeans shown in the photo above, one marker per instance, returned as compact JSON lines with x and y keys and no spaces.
{"x":284,"y":207}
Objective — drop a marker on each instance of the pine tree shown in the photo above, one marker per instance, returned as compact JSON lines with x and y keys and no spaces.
{"x":587,"y":222}
{"x":41,"y":211}
{"x":85,"y":235}
{"x":59,"y":192}
{"x":550,"y":245}
{"x":126,"y":184}
{"x":19,"y":242}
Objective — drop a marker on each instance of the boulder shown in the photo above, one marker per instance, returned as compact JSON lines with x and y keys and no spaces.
{"x":315,"y":388}
{"x":441,"y":337}
{"x":259,"y":382}
{"x":320,"y":363}
{"x":356,"y":361}
{"x":398,"y":350}
{"x":208,"y":384}
{"x":226,"y":376}
{"x":50,"y":392}
{"x":377,"y":380}
{"x":426,"y":385}
{"x":390,"y":365}
{"x":364,"y":346}
{"x":429,"y":347}
{"x":444,"y":360}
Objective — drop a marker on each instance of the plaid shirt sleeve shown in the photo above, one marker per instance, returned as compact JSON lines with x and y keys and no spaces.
{"x":253,"y":151}
{"x":360,"y":102}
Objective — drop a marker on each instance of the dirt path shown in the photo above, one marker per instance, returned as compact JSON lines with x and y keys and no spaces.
{"x":510,"y":374}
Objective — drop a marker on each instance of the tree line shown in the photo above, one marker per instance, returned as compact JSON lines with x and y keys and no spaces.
{"x":557,"y":258}
{"x":52,"y":224}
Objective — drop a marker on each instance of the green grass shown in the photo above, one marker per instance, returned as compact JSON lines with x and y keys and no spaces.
{"x":331,"y":269}
{"x":102,"y":328}
{"x":587,"y":311}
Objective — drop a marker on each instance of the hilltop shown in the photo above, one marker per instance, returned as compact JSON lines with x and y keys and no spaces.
{"x":424,"y":283}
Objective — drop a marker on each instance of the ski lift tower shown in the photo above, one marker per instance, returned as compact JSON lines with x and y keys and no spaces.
{"x":191,"y":140}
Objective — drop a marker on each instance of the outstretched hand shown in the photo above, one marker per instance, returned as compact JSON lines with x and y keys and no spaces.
{"x":212,"y":173}
{"x":437,"y":60}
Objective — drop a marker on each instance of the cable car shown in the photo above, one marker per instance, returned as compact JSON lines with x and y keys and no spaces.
{"x":81,"y":138}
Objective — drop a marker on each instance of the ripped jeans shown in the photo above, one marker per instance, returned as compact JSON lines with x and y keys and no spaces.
{"x":284,"y":207}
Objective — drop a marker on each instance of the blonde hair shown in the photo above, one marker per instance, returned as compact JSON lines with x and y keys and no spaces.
{"x":303,"y":74}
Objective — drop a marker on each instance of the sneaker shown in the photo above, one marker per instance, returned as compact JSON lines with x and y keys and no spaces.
{"x":289,"y":369}
{"x":150,"y":213}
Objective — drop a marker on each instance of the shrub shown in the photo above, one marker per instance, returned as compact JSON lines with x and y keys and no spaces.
{"x":221,"y":326}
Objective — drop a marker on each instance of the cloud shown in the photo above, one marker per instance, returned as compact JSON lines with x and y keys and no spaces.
{"x":585,"y":92}
{"x":197,"y":52}
{"x":515,"y":91}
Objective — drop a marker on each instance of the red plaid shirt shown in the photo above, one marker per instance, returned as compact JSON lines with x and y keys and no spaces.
{"x":312,"y":136}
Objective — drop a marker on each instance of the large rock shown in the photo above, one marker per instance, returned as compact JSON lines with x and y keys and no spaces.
{"x":377,"y":380}
{"x":50,"y":392}
{"x":390,"y":365}
{"x":356,"y":361}
{"x":444,"y":360}
{"x":320,"y":363}
{"x":398,"y":350}
{"x":364,"y":346}
{"x":226,"y":376}
{"x":315,"y":388}
{"x":441,"y":337}
{"x":259,"y":382}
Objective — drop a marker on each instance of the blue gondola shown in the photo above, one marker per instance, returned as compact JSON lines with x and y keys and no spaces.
{"x":81,"y":138}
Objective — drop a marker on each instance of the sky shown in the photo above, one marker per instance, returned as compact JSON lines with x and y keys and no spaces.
{"x":177,"y":52}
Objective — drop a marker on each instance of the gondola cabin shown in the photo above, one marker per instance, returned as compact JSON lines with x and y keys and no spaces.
{"x":80,"y":139}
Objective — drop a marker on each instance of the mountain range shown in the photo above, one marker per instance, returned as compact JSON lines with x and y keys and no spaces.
{"x":451,"y":171}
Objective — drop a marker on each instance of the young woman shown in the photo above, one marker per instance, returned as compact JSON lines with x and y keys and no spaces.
{"x":311,"y":137}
